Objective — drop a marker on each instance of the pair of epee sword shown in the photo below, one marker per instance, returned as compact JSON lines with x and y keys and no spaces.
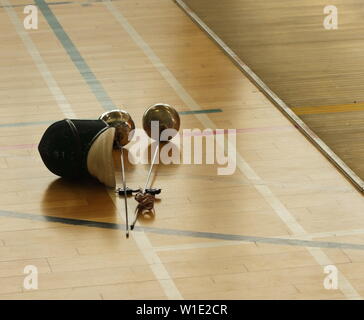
{"x":166,"y":117}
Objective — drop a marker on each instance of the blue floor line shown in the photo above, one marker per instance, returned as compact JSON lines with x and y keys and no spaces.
{"x":184,"y":233}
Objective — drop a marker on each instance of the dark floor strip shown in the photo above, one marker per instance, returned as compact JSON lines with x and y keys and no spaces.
{"x":184,"y":233}
{"x":94,"y":84}
{"x":200,"y":111}
{"x":57,"y":3}
{"x":35,"y":123}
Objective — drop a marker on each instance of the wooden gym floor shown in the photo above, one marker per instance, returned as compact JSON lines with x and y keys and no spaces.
{"x":316,"y":72}
{"x":265,"y":232}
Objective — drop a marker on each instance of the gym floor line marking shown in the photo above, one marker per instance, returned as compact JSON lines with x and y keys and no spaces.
{"x":27,"y":4}
{"x":35,"y":123}
{"x":93,"y":83}
{"x":200,"y":111}
{"x":25,"y":124}
{"x":57,"y":3}
{"x":351,"y":107}
{"x":221,"y":243}
{"x":185,"y":233}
